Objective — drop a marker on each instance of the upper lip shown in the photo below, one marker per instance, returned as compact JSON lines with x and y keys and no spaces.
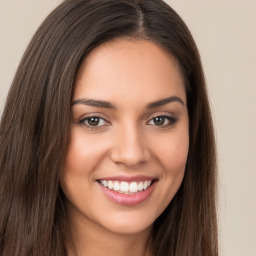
{"x":129,"y":178}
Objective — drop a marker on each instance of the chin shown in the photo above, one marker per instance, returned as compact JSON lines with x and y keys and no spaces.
{"x":129,"y":223}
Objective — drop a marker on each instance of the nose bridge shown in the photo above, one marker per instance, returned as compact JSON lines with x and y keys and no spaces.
{"x":130,"y":147}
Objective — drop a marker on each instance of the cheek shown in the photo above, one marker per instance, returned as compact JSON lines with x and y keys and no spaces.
{"x":178,"y":157}
{"x":83,"y":154}
{"x":172,"y":157}
{"x":173,"y":154}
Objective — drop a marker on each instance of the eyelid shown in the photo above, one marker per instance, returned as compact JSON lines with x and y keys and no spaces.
{"x":84,"y":118}
{"x":160,"y":113}
{"x":94,"y":114}
{"x":172,"y":120}
{"x":170,"y":116}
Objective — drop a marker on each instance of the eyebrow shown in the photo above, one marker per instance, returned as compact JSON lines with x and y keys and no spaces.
{"x":108,"y":105}
{"x":94,"y":103}
{"x":165,"y":101}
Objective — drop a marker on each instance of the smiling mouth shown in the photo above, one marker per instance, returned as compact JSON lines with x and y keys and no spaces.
{"x":124,"y":187}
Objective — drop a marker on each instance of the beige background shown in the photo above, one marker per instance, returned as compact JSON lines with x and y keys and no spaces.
{"x":225,"y":32}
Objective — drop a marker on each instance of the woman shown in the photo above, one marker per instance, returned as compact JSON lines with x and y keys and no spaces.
{"x":107,"y":145}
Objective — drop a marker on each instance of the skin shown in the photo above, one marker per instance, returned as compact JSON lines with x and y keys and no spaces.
{"x":130,"y":75}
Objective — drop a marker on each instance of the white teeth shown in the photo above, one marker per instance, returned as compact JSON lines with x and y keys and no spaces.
{"x":126,"y":187}
{"x":104,"y":183}
{"x":133,"y":187}
{"x":145,"y":185}
{"x":116,"y":186}
{"x":140,"y":187}
{"x":110,"y":184}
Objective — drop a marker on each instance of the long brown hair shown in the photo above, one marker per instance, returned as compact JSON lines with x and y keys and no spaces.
{"x":34,"y":129}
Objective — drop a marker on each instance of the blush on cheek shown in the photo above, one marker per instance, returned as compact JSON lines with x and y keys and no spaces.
{"x":72,"y":160}
{"x":181,"y":156}
{"x":175,"y":163}
{"x":78,"y":155}
{"x":176,"y":154}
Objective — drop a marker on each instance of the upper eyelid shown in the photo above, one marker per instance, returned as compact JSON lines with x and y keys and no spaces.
{"x":146,"y":117}
{"x":99,"y":115}
{"x":165,"y":116}
{"x":107,"y":123}
{"x":86,"y":118}
{"x":160,"y":113}
{"x":84,"y":123}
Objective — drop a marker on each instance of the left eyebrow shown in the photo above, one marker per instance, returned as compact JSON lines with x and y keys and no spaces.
{"x":94,"y":103}
{"x":165,"y":101}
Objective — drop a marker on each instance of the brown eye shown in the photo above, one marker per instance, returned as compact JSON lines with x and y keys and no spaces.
{"x":160,"y":120}
{"x":93,"y":121}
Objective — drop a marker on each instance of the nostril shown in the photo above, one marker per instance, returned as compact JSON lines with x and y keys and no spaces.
{"x":130,"y":146}
{"x":130,"y":157}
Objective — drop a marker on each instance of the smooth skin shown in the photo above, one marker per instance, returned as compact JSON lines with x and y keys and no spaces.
{"x":129,"y":117}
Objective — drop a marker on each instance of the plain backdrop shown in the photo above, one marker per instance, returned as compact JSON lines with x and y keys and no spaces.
{"x":225,"y":32}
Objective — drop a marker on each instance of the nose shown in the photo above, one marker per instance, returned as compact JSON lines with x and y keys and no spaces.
{"x":130,"y":147}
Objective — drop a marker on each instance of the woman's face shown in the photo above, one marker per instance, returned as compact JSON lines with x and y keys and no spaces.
{"x":129,"y":137}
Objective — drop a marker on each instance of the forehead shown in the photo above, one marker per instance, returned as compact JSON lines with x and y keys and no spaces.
{"x":127,"y":67}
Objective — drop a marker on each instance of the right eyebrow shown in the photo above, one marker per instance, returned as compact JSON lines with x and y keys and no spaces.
{"x":166,"y":101}
{"x":94,"y":103}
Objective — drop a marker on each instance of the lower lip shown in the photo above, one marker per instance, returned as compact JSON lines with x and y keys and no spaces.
{"x":128,"y":199}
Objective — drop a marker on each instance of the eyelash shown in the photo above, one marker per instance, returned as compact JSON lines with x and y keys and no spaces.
{"x":168,"y":122}
{"x":85,"y":123}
